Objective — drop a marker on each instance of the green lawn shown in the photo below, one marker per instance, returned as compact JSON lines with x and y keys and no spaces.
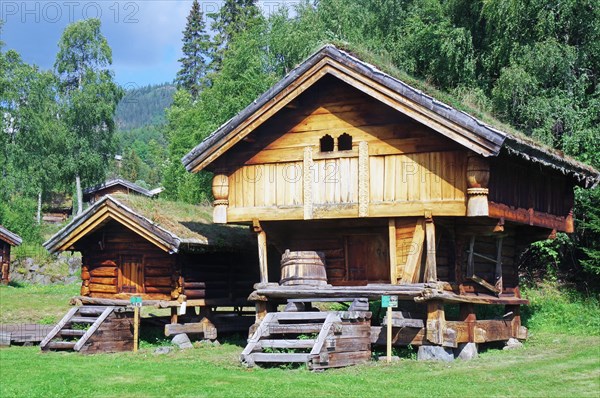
{"x":549,"y":365}
{"x":35,"y":303}
{"x":559,"y":360}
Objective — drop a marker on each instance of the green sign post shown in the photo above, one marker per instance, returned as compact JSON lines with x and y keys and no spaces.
{"x":389,"y":302}
{"x":136,"y":302}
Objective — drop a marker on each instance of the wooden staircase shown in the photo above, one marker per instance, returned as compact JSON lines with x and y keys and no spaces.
{"x":319,"y":339}
{"x":76,"y":327}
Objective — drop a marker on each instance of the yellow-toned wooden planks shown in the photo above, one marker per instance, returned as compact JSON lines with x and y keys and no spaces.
{"x":412,"y":268}
{"x":376,"y":178}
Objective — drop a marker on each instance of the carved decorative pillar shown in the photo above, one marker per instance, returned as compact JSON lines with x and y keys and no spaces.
{"x":220,"y":190}
{"x":478,"y":177}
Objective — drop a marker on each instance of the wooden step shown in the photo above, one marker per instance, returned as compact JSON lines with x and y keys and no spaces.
{"x":71,"y":332}
{"x":60,"y":345}
{"x":279,"y":358}
{"x":91,"y":310}
{"x":83,"y":319}
{"x":301,"y":316}
{"x":296,"y":328}
{"x":284,"y":343}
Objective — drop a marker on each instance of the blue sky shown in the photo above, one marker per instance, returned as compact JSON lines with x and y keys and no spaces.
{"x":145,"y":35}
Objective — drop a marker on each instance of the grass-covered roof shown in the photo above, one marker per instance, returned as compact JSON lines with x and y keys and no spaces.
{"x":173,"y":226}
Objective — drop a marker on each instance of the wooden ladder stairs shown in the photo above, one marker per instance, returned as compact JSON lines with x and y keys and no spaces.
{"x":303,"y":337}
{"x":66,"y":336}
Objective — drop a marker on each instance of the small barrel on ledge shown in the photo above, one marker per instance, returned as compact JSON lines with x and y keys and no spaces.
{"x":303,"y":268}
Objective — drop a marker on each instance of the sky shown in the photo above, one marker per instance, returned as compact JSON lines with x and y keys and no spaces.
{"x":145,"y":35}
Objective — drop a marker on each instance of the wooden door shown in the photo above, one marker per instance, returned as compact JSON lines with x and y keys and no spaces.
{"x":131,"y":275}
{"x":367,"y":259}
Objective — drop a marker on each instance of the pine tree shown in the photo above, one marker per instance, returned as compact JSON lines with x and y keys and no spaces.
{"x":233,"y":17}
{"x":196,"y":45}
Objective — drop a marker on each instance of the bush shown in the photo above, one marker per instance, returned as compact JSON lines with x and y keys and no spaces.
{"x":557,"y":309}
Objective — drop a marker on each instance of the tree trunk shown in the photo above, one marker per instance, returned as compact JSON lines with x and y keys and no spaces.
{"x":79,"y":195}
{"x":39,"y":208}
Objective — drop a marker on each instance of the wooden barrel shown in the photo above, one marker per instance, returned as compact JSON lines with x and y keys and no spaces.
{"x":478,"y":172}
{"x":303,"y":268}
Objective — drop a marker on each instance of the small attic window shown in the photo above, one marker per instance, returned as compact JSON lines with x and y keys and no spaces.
{"x":345,"y":142}
{"x":326,"y":143}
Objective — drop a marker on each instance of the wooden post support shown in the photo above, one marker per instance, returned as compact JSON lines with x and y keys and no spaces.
{"x":392,"y":250}
{"x":436,"y":321}
{"x":515,"y":319}
{"x":261,"y":310}
{"x":498,"y":272}
{"x":389,"y":334}
{"x":430,"y":262}
{"x":136,"y":327}
{"x":467,"y":315}
{"x":262,"y":251}
{"x":174,"y":316}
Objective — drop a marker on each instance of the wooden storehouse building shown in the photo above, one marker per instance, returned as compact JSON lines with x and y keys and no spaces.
{"x":169,"y":254}
{"x":7,"y":240}
{"x":114,"y":186}
{"x":394,"y":193}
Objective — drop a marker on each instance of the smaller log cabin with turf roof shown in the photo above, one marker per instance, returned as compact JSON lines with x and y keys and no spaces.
{"x":169,"y":254}
{"x":7,"y":240}
{"x":114,"y":186}
{"x":365,"y":186}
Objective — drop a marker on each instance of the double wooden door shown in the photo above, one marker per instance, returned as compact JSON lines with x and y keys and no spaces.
{"x":131,"y":275}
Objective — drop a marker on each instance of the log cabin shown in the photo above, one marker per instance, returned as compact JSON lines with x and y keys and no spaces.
{"x":169,"y":254}
{"x":393,"y":192}
{"x":7,"y":240}
{"x":116,"y":185}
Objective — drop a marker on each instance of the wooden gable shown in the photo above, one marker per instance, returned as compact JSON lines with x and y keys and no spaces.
{"x":282,"y":170}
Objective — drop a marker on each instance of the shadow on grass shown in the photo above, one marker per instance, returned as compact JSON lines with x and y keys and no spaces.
{"x":17,"y":284}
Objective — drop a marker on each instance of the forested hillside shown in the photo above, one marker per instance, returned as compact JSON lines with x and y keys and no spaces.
{"x":140,"y":117}
{"x":144,"y":106}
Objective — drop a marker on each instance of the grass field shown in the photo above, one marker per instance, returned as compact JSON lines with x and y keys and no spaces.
{"x":553,"y":363}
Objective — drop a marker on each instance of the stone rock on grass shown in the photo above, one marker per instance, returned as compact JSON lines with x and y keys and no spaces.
{"x":163,"y":350}
{"x":466,"y":351}
{"x":513,"y":344}
{"x":435,"y":353}
{"x":182,"y":341}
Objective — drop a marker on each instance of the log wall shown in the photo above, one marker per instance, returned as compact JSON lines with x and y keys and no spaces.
{"x":219,"y":277}
{"x":4,"y":262}
{"x":109,"y":270}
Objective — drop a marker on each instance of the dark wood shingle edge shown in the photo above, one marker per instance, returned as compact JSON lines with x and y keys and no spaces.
{"x":10,"y":237}
{"x":119,"y":181}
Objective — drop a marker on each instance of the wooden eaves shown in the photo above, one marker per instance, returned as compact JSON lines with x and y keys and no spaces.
{"x":10,"y":237}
